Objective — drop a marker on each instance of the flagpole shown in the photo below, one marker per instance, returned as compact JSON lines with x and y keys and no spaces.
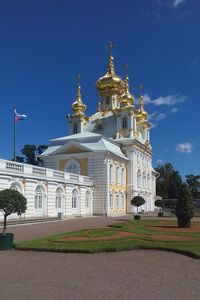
{"x":14,"y":150}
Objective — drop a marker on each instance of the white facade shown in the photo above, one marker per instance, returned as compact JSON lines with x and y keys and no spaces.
{"x":48,"y":192}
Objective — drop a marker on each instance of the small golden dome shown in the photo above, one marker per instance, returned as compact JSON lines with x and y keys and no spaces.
{"x":141,"y":113}
{"x":126,"y":98}
{"x":78,"y":106}
{"x":110,"y":80}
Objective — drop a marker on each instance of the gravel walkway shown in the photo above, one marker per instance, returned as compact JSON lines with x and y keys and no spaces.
{"x":138,"y":274}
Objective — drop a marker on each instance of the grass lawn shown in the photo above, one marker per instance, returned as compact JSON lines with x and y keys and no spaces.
{"x":143,"y":234}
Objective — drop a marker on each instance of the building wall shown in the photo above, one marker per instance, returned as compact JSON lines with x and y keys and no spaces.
{"x":12,"y":173}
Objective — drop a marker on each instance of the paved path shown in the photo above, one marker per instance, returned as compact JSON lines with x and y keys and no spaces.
{"x":138,"y":274}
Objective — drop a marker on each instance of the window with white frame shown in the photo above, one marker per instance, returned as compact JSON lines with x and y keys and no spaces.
{"x":74,"y":198}
{"x":39,"y":197}
{"x":117,"y":201}
{"x":15,"y":187}
{"x":144,"y":179}
{"x":59,"y":197}
{"x":73,"y":166}
{"x":111,"y":173}
{"x":118,"y":174}
{"x":139,"y":178}
{"x":123,"y":201}
{"x":148,"y":180}
{"x":87,"y":199}
{"x":111,"y":200}
{"x":123,"y":176}
{"x":124,"y":122}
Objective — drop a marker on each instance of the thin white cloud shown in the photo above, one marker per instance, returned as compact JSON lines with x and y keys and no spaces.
{"x":177,"y":2}
{"x":169,"y":100}
{"x":174,"y":110}
{"x":184,"y":148}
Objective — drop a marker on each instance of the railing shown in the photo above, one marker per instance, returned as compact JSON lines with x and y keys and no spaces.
{"x":39,"y":171}
{"x":15,"y":167}
{"x":58,"y":174}
{"x":74,"y":177}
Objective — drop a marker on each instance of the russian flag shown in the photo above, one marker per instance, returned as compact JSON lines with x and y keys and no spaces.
{"x":19,"y":117}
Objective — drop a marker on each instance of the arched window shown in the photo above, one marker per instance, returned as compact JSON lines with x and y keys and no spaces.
{"x":118,"y":174}
{"x":111,"y":173}
{"x":74,"y":198}
{"x":111,"y":201}
{"x":117,"y":201}
{"x":87,"y":199}
{"x":59,"y":198}
{"x":39,"y":197}
{"x":73,"y":166}
{"x":15,"y":187}
{"x":124,"y":123}
{"x":75,"y":129}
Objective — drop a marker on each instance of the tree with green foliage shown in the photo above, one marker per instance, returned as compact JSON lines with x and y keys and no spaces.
{"x":169,"y":182}
{"x":31,"y":153}
{"x":193,"y":182}
{"x":11,"y":202}
{"x":137,"y":201}
{"x":184,"y":207}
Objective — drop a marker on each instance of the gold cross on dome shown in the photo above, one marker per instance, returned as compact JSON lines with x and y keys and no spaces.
{"x":79,"y":79}
{"x":110,"y":47}
{"x":141,"y":88}
{"x":126,"y":69}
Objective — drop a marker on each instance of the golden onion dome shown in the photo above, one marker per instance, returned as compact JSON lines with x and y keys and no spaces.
{"x":141,"y":113}
{"x":78,"y":106}
{"x":110,"y":80}
{"x":126,"y":98}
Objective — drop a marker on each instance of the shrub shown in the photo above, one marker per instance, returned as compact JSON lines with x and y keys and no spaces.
{"x":11,"y":201}
{"x":184,"y":207}
{"x":137,"y":201}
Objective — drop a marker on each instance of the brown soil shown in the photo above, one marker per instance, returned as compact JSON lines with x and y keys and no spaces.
{"x":173,"y":238}
{"x":194,"y":228}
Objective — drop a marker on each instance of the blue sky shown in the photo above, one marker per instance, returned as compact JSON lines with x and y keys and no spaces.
{"x":45,"y":44}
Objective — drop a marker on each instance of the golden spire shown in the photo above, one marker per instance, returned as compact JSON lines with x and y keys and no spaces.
{"x":141,"y":112}
{"x":78,"y":106}
{"x":111,"y":67}
{"x":141,"y":98}
{"x":126,"y":80}
{"x":126,"y":99}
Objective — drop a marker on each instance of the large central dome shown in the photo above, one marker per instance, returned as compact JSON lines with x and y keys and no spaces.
{"x":110,"y":80}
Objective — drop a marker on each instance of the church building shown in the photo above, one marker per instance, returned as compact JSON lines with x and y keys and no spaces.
{"x":100,"y":166}
{"x":112,"y":147}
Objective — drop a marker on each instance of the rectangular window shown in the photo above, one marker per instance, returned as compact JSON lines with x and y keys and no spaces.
{"x":118,"y":175}
{"x":58,"y":201}
{"x":111,"y":173}
{"x":111,"y":201}
{"x":122,"y":201}
{"x":123,"y":176}
{"x":117,"y":201}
